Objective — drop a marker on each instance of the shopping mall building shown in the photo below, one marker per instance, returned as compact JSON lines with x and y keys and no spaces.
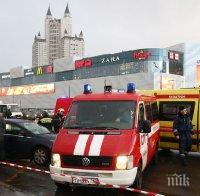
{"x":151,"y":68}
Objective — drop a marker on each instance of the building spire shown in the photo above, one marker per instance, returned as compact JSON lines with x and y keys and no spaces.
{"x":67,"y":9}
{"x":49,"y":11}
{"x":81,"y":34}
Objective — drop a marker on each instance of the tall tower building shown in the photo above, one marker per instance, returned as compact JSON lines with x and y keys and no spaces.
{"x":66,"y":23}
{"x":59,"y":41}
{"x":39,"y":51}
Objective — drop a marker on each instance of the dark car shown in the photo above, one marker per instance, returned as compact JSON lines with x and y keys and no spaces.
{"x":27,"y":140}
{"x":29,"y":115}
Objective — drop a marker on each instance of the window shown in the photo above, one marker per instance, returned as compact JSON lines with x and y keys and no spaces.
{"x":141,"y":116}
{"x":101,"y":115}
{"x":12,"y":129}
{"x":154,"y":108}
{"x":168,"y":110}
{"x":148,"y":112}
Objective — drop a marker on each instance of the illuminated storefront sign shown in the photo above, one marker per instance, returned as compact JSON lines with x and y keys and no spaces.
{"x":29,"y":89}
{"x":83,"y":63}
{"x":198,"y":74}
{"x":167,"y":82}
{"x":49,"y":69}
{"x":44,"y":70}
{"x":173,"y":56}
{"x":39,"y":71}
{"x":110,"y":59}
{"x":141,"y":55}
{"x":28,"y":72}
{"x":5,"y":76}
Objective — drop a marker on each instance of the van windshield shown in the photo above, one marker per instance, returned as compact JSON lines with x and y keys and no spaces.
{"x":112,"y":115}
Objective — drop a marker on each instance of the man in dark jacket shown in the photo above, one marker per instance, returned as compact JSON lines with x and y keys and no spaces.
{"x":182,"y":128}
{"x":58,"y":120}
{"x":8,"y":113}
{"x":2,"y":131}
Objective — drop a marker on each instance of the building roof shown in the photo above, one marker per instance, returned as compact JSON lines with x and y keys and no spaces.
{"x":69,"y":37}
{"x":39,"y":39}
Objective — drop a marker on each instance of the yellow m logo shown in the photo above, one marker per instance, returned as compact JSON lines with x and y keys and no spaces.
{"x":39,"y":71}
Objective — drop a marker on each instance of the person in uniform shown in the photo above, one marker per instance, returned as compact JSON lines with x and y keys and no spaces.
{"x":58,"y":120}
{"x":182,"y":128}
{"x":46,"y":121}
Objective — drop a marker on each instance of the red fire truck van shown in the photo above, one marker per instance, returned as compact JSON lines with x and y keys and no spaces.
{"x":106,"y":138}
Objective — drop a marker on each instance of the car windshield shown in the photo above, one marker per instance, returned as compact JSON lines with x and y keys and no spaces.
{"x":35,"y":128}
{"x":113,"y":115}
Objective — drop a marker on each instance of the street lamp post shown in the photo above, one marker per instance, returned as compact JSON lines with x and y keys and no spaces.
{"x":13,"y":97}
{"x":160,"y":71}
{"x":69,"y":90}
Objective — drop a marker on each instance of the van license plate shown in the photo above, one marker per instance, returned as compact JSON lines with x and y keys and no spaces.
{"x":82,"y":180}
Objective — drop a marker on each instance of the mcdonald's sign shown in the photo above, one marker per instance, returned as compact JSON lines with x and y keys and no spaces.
{"x":39,"y":71}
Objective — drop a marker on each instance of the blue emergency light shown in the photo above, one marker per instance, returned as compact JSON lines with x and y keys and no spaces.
{"x":130,"y":88}
{"x":87,"y":89}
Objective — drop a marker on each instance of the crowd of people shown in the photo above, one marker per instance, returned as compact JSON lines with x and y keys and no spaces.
{"x":52,"y":123}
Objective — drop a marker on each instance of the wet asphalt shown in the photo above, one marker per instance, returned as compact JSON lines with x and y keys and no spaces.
{"x":161,"y":178}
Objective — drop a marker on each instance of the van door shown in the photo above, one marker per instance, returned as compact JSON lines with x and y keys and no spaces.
{"x":167,"y":112}
{"x":143,"y":136}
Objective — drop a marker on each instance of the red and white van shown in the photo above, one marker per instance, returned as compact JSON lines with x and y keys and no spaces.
{"x":108,"y":138}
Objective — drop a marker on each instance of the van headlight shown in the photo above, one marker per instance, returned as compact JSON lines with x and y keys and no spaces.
{"x":55,"y":160}
{"x":124,"y":162}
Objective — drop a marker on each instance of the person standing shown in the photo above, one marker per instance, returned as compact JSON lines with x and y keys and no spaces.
{"x":46,"y":121}
{"x":2,"y":131}
{"x":8,"y":113}
{"x":182,"y":128}
{"x":58,"y":120}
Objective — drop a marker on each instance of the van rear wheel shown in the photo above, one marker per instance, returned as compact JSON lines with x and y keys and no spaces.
{"x":138,"y":179}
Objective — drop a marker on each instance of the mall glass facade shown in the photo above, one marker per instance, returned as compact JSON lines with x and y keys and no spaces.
{"x":129,"y":62}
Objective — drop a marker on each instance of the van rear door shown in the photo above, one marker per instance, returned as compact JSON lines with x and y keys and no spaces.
{"x":168,"y":109}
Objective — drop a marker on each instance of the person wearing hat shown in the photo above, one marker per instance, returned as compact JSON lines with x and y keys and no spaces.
{"x":58,"y":120}
{"x":182,"y":128}
{"x":46,"y":121}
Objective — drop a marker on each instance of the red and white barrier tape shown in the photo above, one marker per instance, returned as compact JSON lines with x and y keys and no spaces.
{"x":97,"y":183}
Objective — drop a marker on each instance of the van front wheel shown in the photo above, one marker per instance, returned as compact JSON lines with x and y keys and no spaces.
{"x":138,"y":179}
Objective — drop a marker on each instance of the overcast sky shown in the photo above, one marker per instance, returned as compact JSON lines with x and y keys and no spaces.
{"x":108,"y":25}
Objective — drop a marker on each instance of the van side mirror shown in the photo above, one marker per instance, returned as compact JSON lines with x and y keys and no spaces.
{"x":146,"y":126}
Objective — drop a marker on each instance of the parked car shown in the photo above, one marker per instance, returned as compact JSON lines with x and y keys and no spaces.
{"x":29,"y":115}
{"x":27,"y":140}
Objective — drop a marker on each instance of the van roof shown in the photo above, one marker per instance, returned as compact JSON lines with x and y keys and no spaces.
{"x":173,"y":93}
{"x":111,"y":96}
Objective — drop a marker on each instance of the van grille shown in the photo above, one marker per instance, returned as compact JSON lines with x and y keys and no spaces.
{"x":94,"y":161}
